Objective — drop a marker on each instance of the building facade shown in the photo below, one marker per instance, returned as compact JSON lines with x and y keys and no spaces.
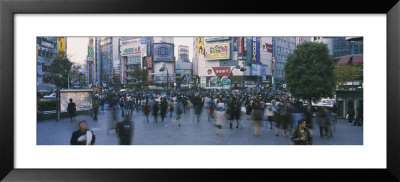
{"x":46,"y":53}
{"x":282,"y":47}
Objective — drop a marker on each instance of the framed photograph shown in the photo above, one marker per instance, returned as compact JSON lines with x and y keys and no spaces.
{"x":232,"y":57}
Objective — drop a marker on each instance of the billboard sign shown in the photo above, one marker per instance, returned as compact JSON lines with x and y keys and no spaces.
{"x":258,"y":70}
{"x":149,"y":62}
{"x":200,"y":46}
{"x":222,"y":71}
{"x":235,"y":43}
{"x":217,"y":51}
{"x":255,"y":56}
{"x":163,"y":52}
{"x":61,"y":45}
{"x":240,"y":45}
{"x":82,"y":99}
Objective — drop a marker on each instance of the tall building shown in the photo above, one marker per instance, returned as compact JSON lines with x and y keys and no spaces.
{"x":339,"y":46}
{"x":162,"y":52}
{"x":46,"y":52}
{"x":183,"y":53}
{"x":132,"y":52}
{"x":282,"y":47}
{"x":107,"y":55}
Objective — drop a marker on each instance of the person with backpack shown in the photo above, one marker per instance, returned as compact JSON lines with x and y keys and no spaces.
{"x":71,"y":110}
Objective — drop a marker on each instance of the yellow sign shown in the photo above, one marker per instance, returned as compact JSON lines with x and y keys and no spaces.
{"x":217,"y":51}
{"x":200,"y":45}
{"x":61,"y":45}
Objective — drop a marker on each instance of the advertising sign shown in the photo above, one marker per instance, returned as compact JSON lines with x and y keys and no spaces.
{"x":130,"y":51}
{"x":258,"y":70}
{"x":163,"y":52}
{"x":235,"y":43}
{"x":222,"y":71}
{"x":82,"y":99}
{"x":131,"y":41}
{"x":240,"y":42}
{"x":90,"y":51}
{"x":245,"y":44}
{"x":149,"y":62}
{"x":200,"y":46}
{"x":217,"y":51}
{"x":61,"y":45}
{"x":255,"y":49}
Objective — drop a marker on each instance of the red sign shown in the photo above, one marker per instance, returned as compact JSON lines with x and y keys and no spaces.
{"x":149,"y":62}
{"x":240,"y":45}
{"x":222,"y":71}
{"x":268,"y":47}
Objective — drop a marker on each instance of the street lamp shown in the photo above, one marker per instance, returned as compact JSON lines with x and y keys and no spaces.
{"x":163,"y":69}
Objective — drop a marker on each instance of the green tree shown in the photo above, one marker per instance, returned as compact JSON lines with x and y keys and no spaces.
{"x":309,"y":72}
{"x":347,"y":73}
{"x":59,"y":70}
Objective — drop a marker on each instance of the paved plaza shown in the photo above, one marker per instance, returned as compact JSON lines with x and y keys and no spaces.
{"x":191,"y":132}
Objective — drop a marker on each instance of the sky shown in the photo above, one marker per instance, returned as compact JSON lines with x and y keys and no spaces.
{"x":77,"y":47}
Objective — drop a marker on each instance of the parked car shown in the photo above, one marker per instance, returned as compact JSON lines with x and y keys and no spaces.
{"x":51,"y":96}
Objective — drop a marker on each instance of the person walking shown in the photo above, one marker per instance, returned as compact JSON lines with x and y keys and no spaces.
{"x":163,"y":108}
{"x":155,"y":111}
{"x":257,"y":117}
{"x":71,"y":110}
{"x":211,"y":108}
{"x":125,"y":131}
{"x":237,"y":112}
{"x":170,"y":106}
{"x":350,"y":115}
{"x":219,"y":117}
{"x":122,"y":106}
{"x":301,"y":135}
{"x":270,"y":113}
{"x":146,"y":110}
{"x":179,"y":110}
{"x":197,"y":103}
{"x":83,"y":136}
{"x":95,"y":108}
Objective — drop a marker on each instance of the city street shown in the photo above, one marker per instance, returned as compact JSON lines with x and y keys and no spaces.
{"x":50,"y":132}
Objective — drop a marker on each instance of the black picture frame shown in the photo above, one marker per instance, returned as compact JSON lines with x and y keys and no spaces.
{"x":9,"y":8}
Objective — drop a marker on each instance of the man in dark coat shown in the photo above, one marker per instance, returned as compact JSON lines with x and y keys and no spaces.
{"x":71,"y":110}
{"x":83,"y":136}
{"x":125,"y":131}
{"x":163,"y":108}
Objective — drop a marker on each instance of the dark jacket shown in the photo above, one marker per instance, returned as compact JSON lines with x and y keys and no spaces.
{"x":125,"y":131}
{"x":297,"y":135}
{"x":71,"y":107}
{"x":75,"y":136}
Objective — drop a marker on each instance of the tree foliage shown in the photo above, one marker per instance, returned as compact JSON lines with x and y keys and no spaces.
{"x":139,"y":75}
{"x":59,"y":71}
{"x":347,"y":72}
{"x":309,"y":72}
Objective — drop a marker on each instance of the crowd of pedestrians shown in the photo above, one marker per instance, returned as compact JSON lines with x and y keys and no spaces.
{"x":287,"y":115}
